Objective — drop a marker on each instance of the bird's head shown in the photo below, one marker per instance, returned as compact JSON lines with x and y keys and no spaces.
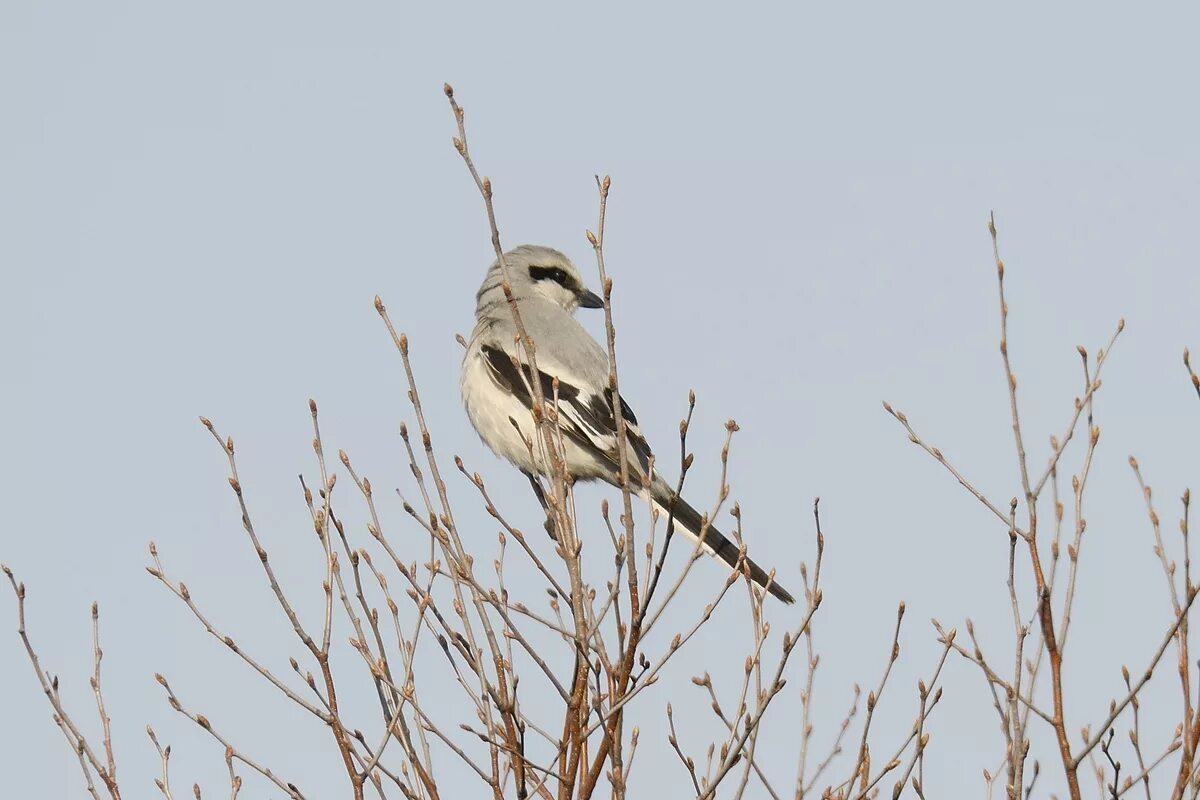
{"x":541,"y":272}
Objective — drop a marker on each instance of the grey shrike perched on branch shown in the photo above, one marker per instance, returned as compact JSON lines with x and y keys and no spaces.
{"x":499,"y":398}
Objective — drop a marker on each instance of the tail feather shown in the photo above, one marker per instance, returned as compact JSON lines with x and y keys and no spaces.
{"x":690,"y":521}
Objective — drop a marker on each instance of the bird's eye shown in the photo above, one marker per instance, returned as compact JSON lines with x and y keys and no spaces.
{"x":556,"y":274}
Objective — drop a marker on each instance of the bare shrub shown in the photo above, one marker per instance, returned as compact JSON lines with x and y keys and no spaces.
{"x":551,"y":671}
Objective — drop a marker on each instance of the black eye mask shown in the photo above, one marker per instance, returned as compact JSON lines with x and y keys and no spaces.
{"x":556,"y":274}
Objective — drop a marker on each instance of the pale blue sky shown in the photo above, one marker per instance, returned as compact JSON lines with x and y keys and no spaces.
{"x":198,"y":203}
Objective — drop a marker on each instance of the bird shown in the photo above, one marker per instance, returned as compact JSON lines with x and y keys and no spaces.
{"x":499,"y":400}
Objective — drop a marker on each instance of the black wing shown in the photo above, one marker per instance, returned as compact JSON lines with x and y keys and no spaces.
{"x":586,"y":417}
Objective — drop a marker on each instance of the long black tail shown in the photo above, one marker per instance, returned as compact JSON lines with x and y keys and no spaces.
{"x":690,"y":521}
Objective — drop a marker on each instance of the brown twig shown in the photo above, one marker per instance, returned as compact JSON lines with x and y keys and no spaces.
{"x":88,"y":759}
{"x":164,"y":755}
{"x":1187,"y":363}
{"x":105,"y":722}
{"x":862,"y":765}
{"x":1137,"y":687}
{"x":286,"y":787}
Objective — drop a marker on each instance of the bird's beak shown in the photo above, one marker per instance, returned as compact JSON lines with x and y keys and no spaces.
{"x":588,"y":299}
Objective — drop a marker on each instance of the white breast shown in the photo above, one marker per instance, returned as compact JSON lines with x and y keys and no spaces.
{"x":490,"y":409}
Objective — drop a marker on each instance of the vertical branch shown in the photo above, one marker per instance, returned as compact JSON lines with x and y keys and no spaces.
{"x":319,"y":652}
{"x":105,"y":722}
{"x":88,"y":761}
{"x":597,"y":241}
{"x":813,"y":660}
{"x":1052,"y":639}
{"x":452,"y":547}
{"x":685,"y":463}
{"x":1008,"y":373}
{"x":753,"y":667}
{"x":1135,"y":733}
{"x":1189,"y":727}
{"x":570,"y":546}
{"x":610,"y":745}
{"x":1016,"y":739}
{"x":1187,"y":363}
{"x":484,"y":185}
{"x":1045,"y":611}
{"x":862,"y":766}
{"x":164,"y":757}
{"x":1078,"y":484}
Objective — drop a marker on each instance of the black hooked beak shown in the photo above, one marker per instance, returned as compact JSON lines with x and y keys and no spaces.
{"x":588,"y":299}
